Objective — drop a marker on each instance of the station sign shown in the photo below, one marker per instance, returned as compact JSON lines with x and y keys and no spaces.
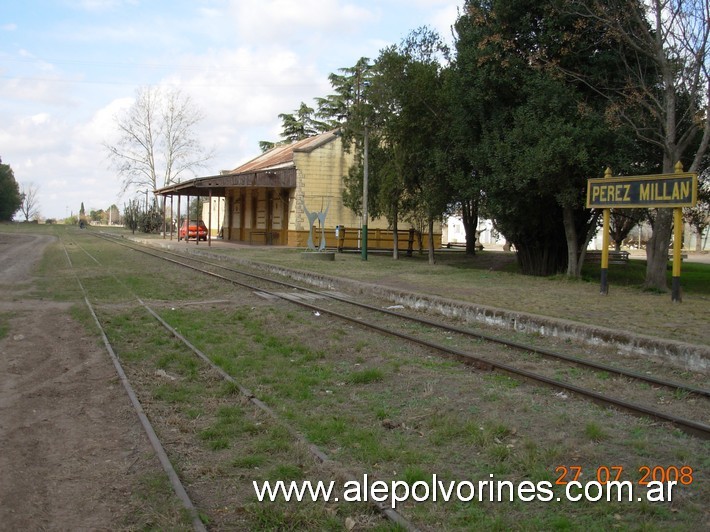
{"x":649,"y":191}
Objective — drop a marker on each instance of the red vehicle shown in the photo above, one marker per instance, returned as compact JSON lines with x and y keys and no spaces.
{"x":195,"y":230}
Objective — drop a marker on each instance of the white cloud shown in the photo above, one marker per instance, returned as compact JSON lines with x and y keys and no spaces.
{"x":241,"y":93}
{"x":242,"y":62}
{"x":263,"y":21}
{"x":39,"y":119}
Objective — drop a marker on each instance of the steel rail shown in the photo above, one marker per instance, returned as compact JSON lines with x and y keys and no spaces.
{"x":388,"y":512}
{"x":175,"y":482}
{"x":541,"y":351}
{"x":688,"y":426}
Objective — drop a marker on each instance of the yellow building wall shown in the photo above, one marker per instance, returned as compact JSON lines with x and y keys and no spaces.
{"x":319,"y":186}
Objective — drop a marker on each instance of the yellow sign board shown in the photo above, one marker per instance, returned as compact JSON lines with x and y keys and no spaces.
{"x":650,"y":191}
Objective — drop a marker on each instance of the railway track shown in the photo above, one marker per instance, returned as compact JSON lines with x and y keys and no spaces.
{"x":162,"y":455}
{"x":391,"y":323}
{"x":155,"y":442}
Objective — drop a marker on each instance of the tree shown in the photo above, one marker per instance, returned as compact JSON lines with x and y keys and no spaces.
{"x":113,"y":215}
{"x":347,"y":106}
{"x":157,"y":141}
{"x":421,"y":126}
{"x":463,"y":132}
{"x":669,"y":109}
{"x":698,"y":217}
{"x":298,"y":126}
{"x":622,"y":221}
{"x":151,"y":220}
{"x":302,"y":124}
{"x":397,"y":103}
{"x":132,"y":215}
{"x":10,"y":199}
{"x":98,"y":216}
{"x":30,"y":202}
{"x":534,"y":137}
{"x":351,"y":107}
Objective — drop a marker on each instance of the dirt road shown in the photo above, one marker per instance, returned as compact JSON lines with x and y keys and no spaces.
{"x":72,"y":448}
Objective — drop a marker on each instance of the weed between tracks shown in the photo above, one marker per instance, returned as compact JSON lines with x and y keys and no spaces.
{"x":396,"y":414}
{"x":376,"y":406}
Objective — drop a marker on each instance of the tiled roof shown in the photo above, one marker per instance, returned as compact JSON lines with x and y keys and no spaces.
{"x":282,"y":156}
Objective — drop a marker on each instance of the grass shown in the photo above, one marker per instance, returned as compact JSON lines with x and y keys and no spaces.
{"x":595,"y":432}
{"x":4,"y":324}
{"x":157,"y":508}
{"x":372,"y":404}
{"x":230,"y":422}
{"x":365,"y":376}
{"x":695,"y":277}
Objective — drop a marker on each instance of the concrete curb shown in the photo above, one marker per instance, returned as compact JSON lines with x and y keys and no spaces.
{"x":691,"y":357}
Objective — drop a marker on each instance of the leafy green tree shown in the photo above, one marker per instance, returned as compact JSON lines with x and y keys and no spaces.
{"x":10,"y":199}
{"x":420,"y":126}
{"x":398,"y":103}
{"x":132,"y":215}
{"x":347,"y":106}
{"x":351,"y":108}
{"x":98,"y":216}
{"x":536,"y":137}
{"x":302,"y":124}
{"x":463,"y":132}
{"x":151,"y":221}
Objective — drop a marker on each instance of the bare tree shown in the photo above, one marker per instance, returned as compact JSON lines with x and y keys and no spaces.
{"x":30,"y":201}
{"x":622,"y":221}
{"x":698,"y":217}
{"x":157,"y":140}
{"x":664,"y":96}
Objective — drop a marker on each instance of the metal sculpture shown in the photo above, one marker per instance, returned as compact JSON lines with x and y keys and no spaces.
{"x":312,"y":217}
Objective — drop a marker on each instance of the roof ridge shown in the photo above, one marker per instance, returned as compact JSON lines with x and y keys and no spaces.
{"x":283,"y":154}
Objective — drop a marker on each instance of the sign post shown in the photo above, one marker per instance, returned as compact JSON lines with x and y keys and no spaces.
{"x":676,"y":191}
{"x":677,"y":239}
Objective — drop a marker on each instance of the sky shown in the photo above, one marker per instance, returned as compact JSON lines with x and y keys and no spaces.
{"x":68,"y":68}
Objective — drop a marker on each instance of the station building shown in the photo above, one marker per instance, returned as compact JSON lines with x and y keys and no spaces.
{"x":267,"y":200}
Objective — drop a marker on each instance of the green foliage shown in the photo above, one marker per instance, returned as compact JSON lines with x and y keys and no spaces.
{"x":131,"y":215}
{"x":302,"y":124}
{"x":10,"y":199}
{"x":365,"y":376}
{"x":398,"y":104}
{"x":534,"y":135}
{"x":151,"y":221}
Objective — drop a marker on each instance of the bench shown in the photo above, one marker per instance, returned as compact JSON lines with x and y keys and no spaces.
{"x":615,"y":257}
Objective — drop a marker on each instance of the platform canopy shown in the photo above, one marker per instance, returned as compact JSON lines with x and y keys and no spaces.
{"x":273,"y":169}
{"x":202,"y":186}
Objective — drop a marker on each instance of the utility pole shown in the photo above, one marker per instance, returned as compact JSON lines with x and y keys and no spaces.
{"x":364,"y":198}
